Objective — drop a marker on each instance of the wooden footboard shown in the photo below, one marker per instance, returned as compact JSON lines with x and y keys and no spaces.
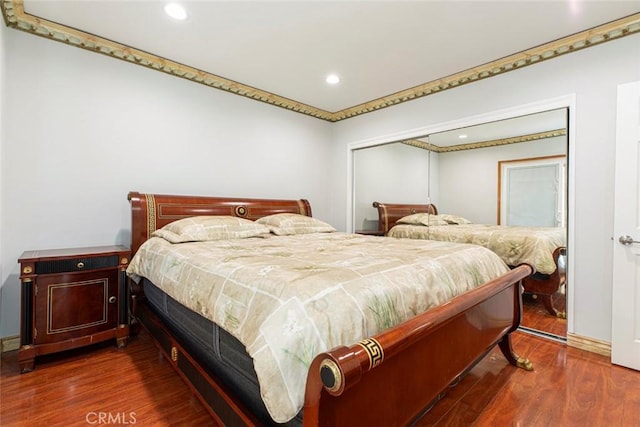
{"x":547,"y":285}
{"x":392,"y":378}
{"x":389,"y":379}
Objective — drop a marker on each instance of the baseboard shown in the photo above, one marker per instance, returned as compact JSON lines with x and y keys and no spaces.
{"x":9,"y":343}
{"x":589,"y":344}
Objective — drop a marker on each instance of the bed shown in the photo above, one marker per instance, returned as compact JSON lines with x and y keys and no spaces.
{"x":540,"y":247}
{"x":389,"y":377}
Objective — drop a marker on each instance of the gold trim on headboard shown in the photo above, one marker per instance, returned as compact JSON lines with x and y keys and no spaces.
{"x":303,"y":208}
{"x":16,"y":17}
{"x":151,"y":214}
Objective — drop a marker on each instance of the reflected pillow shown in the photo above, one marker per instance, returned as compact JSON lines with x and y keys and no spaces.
{"x":206,"y":228}
{"x":454,"y":219}
{"x":422,"y":219}
{"x":284,"y":224}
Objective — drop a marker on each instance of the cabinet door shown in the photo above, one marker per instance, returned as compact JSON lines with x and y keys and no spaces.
{"x":74,"y":305}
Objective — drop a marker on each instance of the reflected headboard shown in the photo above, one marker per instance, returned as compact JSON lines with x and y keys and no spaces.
{"x":389,"y":213}
{"x":150,"y":212}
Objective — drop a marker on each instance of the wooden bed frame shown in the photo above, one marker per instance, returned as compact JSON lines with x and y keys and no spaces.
{"x":389,"y":379}
{"x":543,"y":285}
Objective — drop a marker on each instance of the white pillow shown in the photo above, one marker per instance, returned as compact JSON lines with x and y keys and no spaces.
{"x":284,"y":224}
{"x":454,"y":219}
{"x":206,"y":228}
{"x":422,"y":218}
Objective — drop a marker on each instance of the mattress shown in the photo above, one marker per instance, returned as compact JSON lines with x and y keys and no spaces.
{"x":214,"y":348}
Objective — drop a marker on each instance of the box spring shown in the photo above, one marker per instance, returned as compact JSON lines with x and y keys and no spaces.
{"x":213,"y":348}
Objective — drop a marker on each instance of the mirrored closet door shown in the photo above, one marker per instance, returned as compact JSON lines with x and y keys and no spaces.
{"x":462,"y":172}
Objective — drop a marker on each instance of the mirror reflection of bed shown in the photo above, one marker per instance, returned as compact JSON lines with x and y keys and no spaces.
{"x":483,"y":178}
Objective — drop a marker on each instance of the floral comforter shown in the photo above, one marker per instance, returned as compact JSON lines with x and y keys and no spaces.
{"x":288,"y":298}
{"x":515,"y":245}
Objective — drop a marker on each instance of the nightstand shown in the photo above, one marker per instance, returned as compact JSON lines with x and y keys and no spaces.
{"x":72,"y":298}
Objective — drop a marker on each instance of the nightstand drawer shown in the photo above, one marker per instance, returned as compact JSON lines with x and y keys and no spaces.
{"x":76,"y":264}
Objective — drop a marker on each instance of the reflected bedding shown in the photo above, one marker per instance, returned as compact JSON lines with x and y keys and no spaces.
{"x":514,"y":244}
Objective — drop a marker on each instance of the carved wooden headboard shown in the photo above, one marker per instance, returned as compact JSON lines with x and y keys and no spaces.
{"x":389,"y":213}
{"x":152,"y":211}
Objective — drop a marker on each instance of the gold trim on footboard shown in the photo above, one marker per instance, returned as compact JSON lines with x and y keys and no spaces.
{"x":425,"y":354}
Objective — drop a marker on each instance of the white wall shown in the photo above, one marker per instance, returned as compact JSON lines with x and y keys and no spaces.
{"x":391,"y":173}
{"x":462,"y":182}
{"x":468,"y":180}
{"x":592,"y":75}
{"x":81,"y":130}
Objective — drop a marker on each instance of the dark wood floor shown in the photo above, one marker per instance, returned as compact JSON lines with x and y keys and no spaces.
{"x":134,"y":385}
{"x":536,"y":316}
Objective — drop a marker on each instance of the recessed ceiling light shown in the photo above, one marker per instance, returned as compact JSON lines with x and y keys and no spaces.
{"x":463,"y":136}
{"x":175,"y":11}
{"x":333,"y":79}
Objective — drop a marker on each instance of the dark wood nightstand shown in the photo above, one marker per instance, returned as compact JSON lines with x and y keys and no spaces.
{"x":72,"y":298}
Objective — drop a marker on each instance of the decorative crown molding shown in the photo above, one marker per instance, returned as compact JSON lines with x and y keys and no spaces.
{"x":483,"y":144}
{"x":595,"y":36}
{"x":16,"y":17}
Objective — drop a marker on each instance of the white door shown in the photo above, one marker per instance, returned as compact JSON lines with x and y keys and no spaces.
{"x":625,"y":335}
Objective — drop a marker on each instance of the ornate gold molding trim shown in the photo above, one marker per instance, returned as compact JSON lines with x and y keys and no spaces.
{"x":595,"y":36}
{"x":16,"y":17}
{"x":483,"y":144}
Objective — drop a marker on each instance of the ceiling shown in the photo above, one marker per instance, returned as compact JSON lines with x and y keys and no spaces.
{"x":286,"y":48}
{"x":531,"y":127}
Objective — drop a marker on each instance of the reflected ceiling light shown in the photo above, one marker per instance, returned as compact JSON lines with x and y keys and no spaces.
{"x":463,"y":136}
{"x":175,"y":11}
{"x":333,"y":79}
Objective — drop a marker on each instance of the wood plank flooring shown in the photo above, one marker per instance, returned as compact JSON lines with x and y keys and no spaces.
{"x":135,"y":385}
{"x":535,"y":316}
